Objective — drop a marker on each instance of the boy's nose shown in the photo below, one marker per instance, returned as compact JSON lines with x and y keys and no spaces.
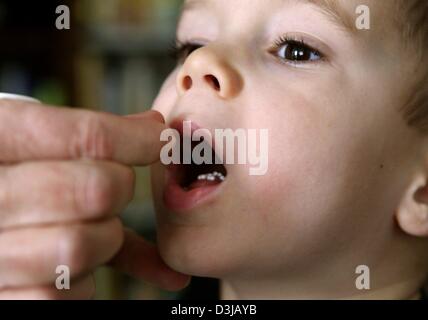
{"x":204,"y":68}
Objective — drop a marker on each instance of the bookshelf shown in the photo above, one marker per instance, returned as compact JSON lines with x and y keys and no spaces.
{"x":33,"y":54}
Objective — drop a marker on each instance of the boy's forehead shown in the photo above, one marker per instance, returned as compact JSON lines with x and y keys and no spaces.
{"x":341,"y":12}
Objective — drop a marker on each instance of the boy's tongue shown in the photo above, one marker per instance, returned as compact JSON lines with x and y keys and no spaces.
{"x":202,"y":183}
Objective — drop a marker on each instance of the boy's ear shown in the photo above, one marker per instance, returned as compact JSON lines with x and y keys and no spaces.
{"x":412,"y":213}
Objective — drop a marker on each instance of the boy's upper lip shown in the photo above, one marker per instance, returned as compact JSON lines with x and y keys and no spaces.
{"x":177,"y":124}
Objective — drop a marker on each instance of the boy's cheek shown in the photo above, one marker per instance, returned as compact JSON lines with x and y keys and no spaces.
{"x":313,"y":166}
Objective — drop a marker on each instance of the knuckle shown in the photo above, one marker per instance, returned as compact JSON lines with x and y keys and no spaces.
{"x":6,"y":199}
{"x":93,"y":139}
{"x":52,"y":181}
{"x":99,"y":192}
{"x":73,"y":252}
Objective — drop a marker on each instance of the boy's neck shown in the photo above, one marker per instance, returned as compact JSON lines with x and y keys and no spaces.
{"x":405,"y":290}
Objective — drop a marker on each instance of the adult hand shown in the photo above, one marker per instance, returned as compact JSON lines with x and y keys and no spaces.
{"x":65,"y":175}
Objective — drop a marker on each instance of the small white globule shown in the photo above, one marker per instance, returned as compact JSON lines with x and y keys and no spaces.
{"x":212,"y":176}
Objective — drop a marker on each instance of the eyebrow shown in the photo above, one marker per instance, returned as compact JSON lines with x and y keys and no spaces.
{"x":335,"y":12}
{"x":188,"y":5}
{"x":330,"y":8}
{"x":192,"y":4}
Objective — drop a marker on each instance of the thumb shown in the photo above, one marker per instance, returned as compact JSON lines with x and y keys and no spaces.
{"x":141,"y":259}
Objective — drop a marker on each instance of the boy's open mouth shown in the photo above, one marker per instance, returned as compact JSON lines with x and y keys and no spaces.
{"x":192,"y":176}
{"x":190,"y":184}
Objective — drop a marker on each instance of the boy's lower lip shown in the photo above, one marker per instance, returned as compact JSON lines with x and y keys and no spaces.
{"x":181,"y":201}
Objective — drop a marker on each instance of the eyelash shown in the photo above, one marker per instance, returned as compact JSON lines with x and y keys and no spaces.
{"x":181,"y":50}
{"x":296,"y":44}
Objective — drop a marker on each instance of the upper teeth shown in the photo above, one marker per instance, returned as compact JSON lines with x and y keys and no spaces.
{"x":211,"y":176}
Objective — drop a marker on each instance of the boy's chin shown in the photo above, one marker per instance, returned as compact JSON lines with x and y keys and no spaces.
{"x":195,"y":256}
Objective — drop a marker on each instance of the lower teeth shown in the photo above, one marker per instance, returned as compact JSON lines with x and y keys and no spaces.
{"x":212,"y":176}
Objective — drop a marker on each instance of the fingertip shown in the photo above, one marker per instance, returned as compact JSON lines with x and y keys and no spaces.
{"x":186,"y":282}
{"x":176,"y":282}
{"x":156,"y":115}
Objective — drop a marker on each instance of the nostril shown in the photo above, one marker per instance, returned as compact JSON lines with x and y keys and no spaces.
{"x":213,"y":82}
{"x":187,"y":83}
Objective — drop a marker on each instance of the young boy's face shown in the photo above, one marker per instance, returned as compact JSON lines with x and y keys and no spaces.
{"x":340,"y":153}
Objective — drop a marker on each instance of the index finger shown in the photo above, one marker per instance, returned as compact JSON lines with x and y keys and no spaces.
{"x":30,"y":131}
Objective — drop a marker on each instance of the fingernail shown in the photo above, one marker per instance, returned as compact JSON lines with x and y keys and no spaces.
{"x":147,"y":114}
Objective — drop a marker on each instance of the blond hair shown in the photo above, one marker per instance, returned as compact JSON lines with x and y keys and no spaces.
{"x":415,"y":33}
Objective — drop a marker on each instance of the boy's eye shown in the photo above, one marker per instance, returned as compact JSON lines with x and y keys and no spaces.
{"x":296,"y":52}
{"x":293,"y":51}
{"x":182,"y":50}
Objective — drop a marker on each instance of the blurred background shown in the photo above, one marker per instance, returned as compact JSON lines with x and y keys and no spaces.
{"x":114,"y":58}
